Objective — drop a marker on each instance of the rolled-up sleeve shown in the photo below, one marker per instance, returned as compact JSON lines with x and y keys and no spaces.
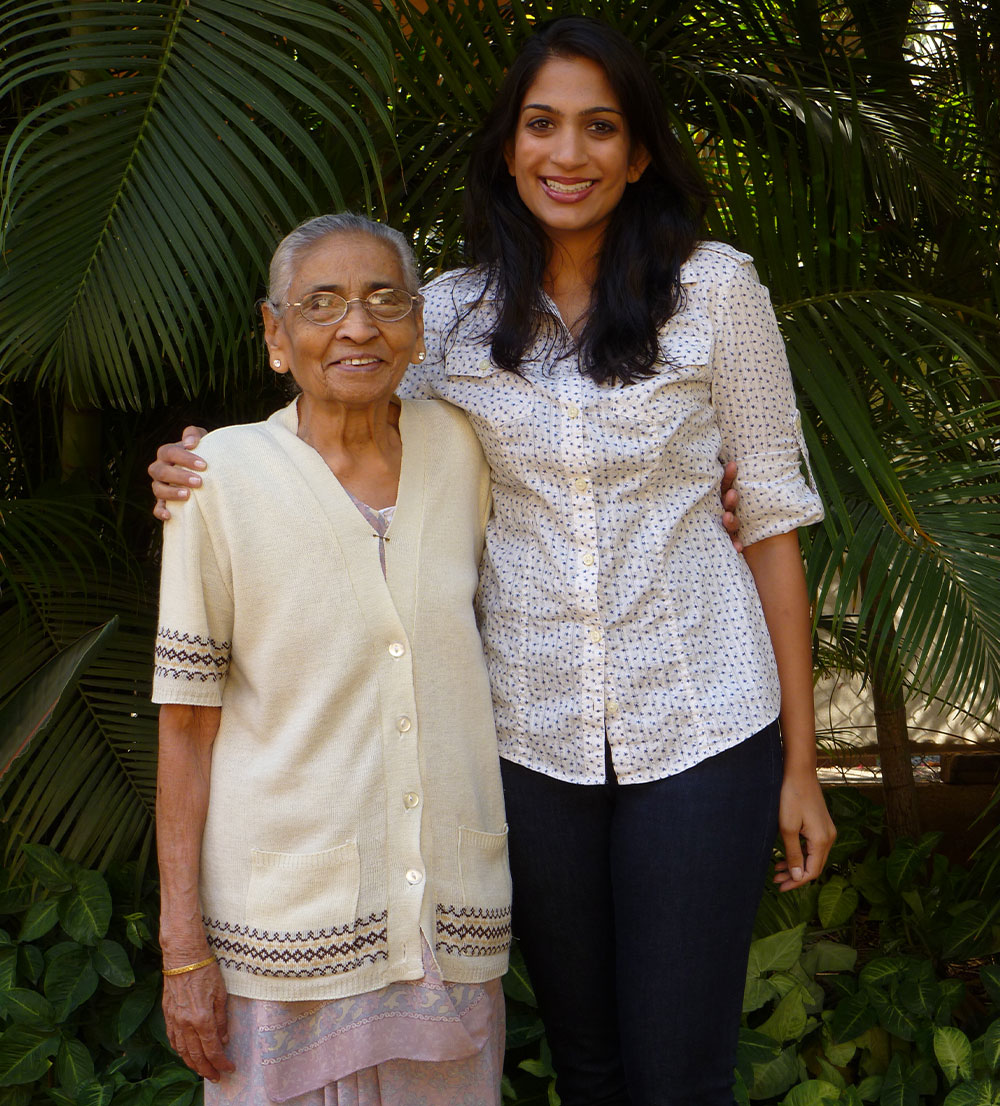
{"x":758,"y":418}
{"x":194,"y":634}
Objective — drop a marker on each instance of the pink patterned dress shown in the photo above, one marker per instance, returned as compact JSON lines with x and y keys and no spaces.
{"x":425,"y":1042}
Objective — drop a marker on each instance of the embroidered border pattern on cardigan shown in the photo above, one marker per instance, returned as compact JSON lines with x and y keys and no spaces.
{"x":473,"y":930}
{"x":207,"y":660}
{"x":299,"y":955}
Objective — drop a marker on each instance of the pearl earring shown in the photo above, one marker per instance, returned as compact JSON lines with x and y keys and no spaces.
{"x":421,"y":355}
{"x":276,"y":363}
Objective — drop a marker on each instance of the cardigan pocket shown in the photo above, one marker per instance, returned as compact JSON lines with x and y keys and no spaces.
{"x":479,"y":926}
{"x":312,"y":891}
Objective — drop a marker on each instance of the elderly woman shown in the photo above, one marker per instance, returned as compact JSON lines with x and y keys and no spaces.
{"x":335,"y":891}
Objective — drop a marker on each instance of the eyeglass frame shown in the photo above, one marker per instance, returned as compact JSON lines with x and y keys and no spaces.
{"x":415,"y":298}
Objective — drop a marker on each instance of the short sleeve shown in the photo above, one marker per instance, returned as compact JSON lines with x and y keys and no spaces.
{"x":195,"y":629}
{"x":758,"y":418}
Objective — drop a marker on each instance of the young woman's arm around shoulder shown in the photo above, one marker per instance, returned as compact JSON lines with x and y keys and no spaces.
{"x":803,"y":819}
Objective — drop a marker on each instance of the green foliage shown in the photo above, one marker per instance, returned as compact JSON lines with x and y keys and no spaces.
{"x":875,"y":986}
{"x":80,"y":1021}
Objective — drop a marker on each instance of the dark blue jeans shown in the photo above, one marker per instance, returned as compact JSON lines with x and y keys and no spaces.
{"x":634,"y":906}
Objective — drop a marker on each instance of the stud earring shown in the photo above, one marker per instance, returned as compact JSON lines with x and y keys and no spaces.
{"x":421,"y":355}
{"x":276,"y":363}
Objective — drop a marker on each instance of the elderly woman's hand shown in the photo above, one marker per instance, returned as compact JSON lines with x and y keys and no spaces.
{"x":172,"y":473}
{"x":194,"y":1006}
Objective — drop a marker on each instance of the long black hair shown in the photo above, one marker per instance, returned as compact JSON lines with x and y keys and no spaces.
{"x":651,"y":233}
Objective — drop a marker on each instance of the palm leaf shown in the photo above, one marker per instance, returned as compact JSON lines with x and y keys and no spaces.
{"x":26,"y":714}
{"x":138,"y":208}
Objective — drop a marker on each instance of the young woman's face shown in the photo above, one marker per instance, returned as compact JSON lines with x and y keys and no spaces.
{"x":571,"y":154}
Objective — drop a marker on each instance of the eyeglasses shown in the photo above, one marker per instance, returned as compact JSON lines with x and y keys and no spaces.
{"x":386,"y":305}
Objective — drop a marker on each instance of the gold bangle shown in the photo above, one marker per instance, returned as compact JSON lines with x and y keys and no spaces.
{"x":190,"y":967}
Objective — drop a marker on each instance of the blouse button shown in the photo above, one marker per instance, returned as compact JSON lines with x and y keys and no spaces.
{"x":411,"y":799}
{"x":574,"y":411}
{"x":580,"y":483}
{"x":396,"y":649}
{"x":403,"y":724}
{"x":413,"y":876}
{"x":588,"y":558}
{"x":594,"y":635}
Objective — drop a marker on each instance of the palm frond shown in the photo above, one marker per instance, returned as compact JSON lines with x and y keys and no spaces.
{"x":139,"y":207}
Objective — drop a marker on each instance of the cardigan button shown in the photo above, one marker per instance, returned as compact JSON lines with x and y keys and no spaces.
{"x":411,"y":799}
{"x":413,"y":876}
{"x":403,"y":724}
{"x":397,"y":649}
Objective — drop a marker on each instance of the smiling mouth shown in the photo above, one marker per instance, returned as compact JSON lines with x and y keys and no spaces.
{"x":566,"y":189}
{"x":358,"y":362}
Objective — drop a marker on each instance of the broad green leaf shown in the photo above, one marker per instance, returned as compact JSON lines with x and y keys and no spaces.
{"x":8,"y":968}
{"x":86,"y":913}
{"x":776,"y":1076}
{"x":883,"y":969}
{"x":522,"y":1029}
{"x":69,"y":981}
{"x":136,"y":1006}
{"x":837,"y":902}
{"x":31,"y":962}
{"x":516,"y":984}
{"x":757,"y":993}
{"x":111,"y":961}
{"x":756,"y":1047}
{"x":990,"y":1041}
{"x":870,"y":1088}
{"x":919,"y":990}
{"x":990,"y":976}
{"x":980,"y":1092}
{"x":74,"y":1065}
{"x":893,"y":1017}
{"x":48,"y":867}
{"x":25,"y":1054}
{"x":829,"y":956}
{"x":954,"y":1052}
{"x":94,"y":1093}
{"x":29,"y":711}
{"x":789,"y":1020}
{"x":26,"y":1007}
{"x":41,"y":917}
{"x":967,"y":934}
{"x":775,"y":953}
{"x":852,"y":1017}
{"x":904,"y":864}
{"x":897,"y":1089}
{"x":815,"y":1092}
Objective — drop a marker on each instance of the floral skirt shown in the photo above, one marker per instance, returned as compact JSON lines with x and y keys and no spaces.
{"x":421,"y":1043}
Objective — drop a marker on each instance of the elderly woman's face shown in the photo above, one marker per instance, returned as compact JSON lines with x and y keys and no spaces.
{"x":359,"y":361}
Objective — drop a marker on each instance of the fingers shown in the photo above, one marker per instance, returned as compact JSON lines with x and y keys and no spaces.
{"x":730,"y":502}
{"x":195,"y":1013}
{"x":172,"y":473}
{"x":728,"y":479}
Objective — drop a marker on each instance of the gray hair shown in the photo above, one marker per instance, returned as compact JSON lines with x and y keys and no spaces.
{"x":310,"y":232}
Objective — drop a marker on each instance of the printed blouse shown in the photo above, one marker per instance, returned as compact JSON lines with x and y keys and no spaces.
{"x":611,"y":603}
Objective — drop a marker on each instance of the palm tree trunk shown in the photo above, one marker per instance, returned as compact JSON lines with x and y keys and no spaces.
{"x":898,"y":785}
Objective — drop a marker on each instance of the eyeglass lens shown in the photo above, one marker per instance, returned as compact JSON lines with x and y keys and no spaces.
{"x":387,"y":305}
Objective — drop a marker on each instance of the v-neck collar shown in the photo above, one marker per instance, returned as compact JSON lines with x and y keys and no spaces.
{"x":349,"y":528}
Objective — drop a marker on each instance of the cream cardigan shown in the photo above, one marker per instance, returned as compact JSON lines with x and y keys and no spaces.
{"x":355,"y":796}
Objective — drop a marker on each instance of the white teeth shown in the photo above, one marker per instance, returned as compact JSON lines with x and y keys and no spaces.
{"x":359,"y":360}
{"x":558,"y":186}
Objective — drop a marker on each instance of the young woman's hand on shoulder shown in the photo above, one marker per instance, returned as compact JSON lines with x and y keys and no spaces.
{"x":175,"y":470}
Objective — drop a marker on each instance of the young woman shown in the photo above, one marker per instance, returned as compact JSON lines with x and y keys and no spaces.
{"x":611,"y":364}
